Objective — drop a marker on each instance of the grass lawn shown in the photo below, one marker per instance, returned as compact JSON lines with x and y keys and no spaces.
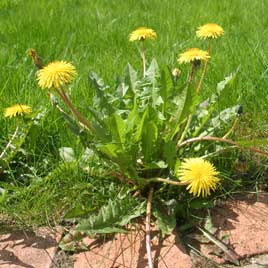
{"x":93,"y":35}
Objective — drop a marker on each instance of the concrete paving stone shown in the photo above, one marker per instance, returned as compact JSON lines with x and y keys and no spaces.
{"x":24,"y":249}
{"x":245,"y":223}
{"x":129,"y":251}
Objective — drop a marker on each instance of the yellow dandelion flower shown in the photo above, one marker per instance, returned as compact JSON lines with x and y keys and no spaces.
{"x":193,"y":54}
{"x":210,"y":30}
{"x":200,"y":175}
{"x":17,"y":110}
{"x":56,"y":74}
{"x":142,"y":34}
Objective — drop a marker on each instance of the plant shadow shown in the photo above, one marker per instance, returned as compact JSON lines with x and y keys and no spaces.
{"x":239,"y":225}
{"x":18,"y":248}
{"x":129,"y":250}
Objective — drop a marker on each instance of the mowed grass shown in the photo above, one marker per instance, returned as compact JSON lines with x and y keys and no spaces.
{"x":93,"y":35}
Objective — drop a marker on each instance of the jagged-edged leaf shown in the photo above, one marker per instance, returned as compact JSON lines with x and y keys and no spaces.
{"x":131,"y":77}
{"x":227,"y":82}
{"x":155,"y":165}
{"x":109,"y":149}
{"x":76,"y":212}
{"x":112,"y":216}
{"x":96,"y":81}
{"x":72,"y":123}
{"x":219,"y":121}
{"x":122,"y":90}
{"x":97,"y":116}
{"x":123,"y":158}
{"x":201,"y":203}
{"x":64,"y":167}
{"x":222,"y":88}
{"x":170,"y":153}
{"x":100,"y":100}
{"x":149,"y":137}
{"x":140,"y":126}
{"x":166,"y":223}
{"x":186,"y":102}
{"x":100,"y":129}
{"x":189,"y":103}
{"x":101,"y":133}
{"x":166,"y":87}
{"x":152,"y":71}
{"x":132,"y":119}
{"x":136,"y":212}
{"x":156,"y":99}
{"x":109,"y":230}
{"x":224,"y":117}
{"x":117,"y":128}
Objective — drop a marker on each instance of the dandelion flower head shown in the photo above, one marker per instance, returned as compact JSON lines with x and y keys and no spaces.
{"x":36,"y":59}
{"x":193,"y":54}
{"x":56,"y":74}
{"x":142,"y":34}
{"x":210,"y":30}
{"x":200,"y":175}
{"x":17,"y":110}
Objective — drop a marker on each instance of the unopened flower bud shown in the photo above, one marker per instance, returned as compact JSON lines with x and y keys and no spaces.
{"x":239,"y":110}
{"x":36,"y":59}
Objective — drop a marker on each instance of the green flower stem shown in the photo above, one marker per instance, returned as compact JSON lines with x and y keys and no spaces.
{"x":217,"y":139}
{"x":204,"y":70}
{"x":76,"y":113}
{"x":166,"y":181}
{"x":143,"y":57}
{"x":148,"y":228}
